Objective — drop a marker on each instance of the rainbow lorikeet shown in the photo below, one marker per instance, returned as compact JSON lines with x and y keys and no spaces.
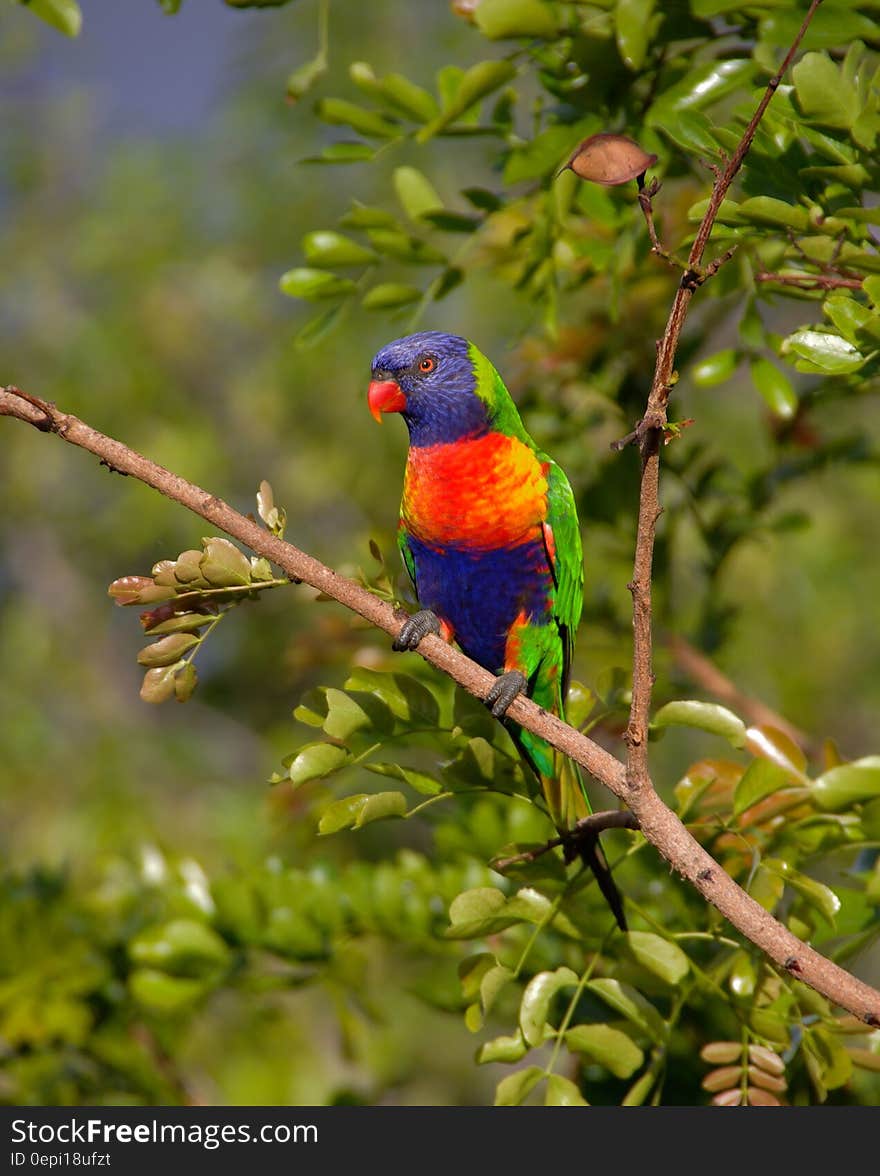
{"x":489,"y":535}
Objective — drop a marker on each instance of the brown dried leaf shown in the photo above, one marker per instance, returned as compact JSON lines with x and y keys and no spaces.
{"x":609,"y":160}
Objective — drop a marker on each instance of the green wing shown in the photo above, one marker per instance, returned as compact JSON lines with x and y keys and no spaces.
{"x":566,"y":561}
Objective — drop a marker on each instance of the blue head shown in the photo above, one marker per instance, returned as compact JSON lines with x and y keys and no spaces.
{"x":430,"y":379}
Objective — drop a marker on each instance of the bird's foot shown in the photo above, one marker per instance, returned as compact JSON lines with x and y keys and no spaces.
{"x":416,"y":627}
{"x":504,"y":690}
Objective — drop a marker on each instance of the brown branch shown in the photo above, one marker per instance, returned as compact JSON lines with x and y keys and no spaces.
{"x":649,"y":431}
{"x":658,"y":823}
{"x":811,"y":281}
{"x":589,"y":826}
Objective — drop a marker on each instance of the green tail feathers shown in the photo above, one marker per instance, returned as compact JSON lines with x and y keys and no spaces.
{"x":567,"y":802}
{"x":560,"y":778}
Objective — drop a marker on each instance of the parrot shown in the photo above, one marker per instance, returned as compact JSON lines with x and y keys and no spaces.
{"x":489,"y":535}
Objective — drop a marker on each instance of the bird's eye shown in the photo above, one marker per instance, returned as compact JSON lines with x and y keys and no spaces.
{"x":427,"y":363}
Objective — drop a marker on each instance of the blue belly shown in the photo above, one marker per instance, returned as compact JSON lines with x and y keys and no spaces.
{"x":481,"y":593}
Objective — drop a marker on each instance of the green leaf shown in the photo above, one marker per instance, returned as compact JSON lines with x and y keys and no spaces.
{"x":291,"y":933}
{"x":314,"y":761}
{"x":705,"y":716}
{"x":63,"y":15}
{"x":630,"y":1003}
{"x":766,"y":888}
{"x":492,"y":983}
{"x":499,"y":19}
{"x":415,"y":192}
{"x":700,"y":87}
{"x":770,"y":743}
{"x":185,"y":681}
{"x":610,"y":1047}
{"x":182,"y":947}
{"x":502,"y":1049}
{"x":325,"y":247}
{"x":340,"y":112}
{"x":419,"y":781}
{"x":692,"y":130}
{"x":823,"y":94}
{"x":387,"y":295}
{"x":452,"y":222}
{"x":342,"y":814}
{"x":766,"y":210}
{"x":634,"y":30}
{"x":405,"y":248}
{"x":817,"y":894}
{"x":848,"y":784}
{"x":476,"y":83}
{"x":408,"y":98}
{"x":761,"y":778}
{"x":342,"y":153}
{"x":774,"y":386}
{"x":360,"y":809}
{"x":314,"y":284}
{"x":852,"y":318}
{"x":541,"y":156}
{"x":513,"y":1089}
{"x":475,"y":905}
{"x":743,"y":976}
{"x":158,"y":684}
{"x":168,"y":651}
{"x":823,"y":352}
{"x":380,"y":806}
{"x":344,"y":716}
{"x":161,"y":993}
{"x":562,"y":1092}
{"x":301,"y":80}
{"x":715,"y":369}
{"x":660,"y":956}
{"x":535,"y":1005}
{"x":223,"y":565}
{"x":471,"y":971}
{"x":405,"y":696}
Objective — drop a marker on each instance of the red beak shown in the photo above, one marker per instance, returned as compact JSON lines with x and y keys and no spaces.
{"x":385,"y":396}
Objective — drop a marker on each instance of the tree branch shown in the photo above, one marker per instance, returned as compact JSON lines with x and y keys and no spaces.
{"x":811,"y":281}
{"x":649,"y":431}
{"x":658,"y":823}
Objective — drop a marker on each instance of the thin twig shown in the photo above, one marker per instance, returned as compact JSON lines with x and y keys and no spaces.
{"x":811,"y":281}
{"x":649,"y":430}
{"x":590,"y":826}
{"x":658,"y":823}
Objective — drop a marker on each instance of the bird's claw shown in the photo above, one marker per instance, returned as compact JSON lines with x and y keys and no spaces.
{"x":504,"y":690}
{"x":416,"y":627}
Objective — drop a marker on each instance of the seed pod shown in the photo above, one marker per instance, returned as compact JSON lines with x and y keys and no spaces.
{"x":719,"y":1053}
{"x":610,"y":160}
{"x":728,"y":1098}
{"x":721,"y":1078}
{"x":767,"y":1081}
{"x":761,"y":1098}
{"x":767,"y":1059}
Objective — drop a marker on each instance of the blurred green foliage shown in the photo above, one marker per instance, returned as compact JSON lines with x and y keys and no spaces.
{"x":174,"y":930}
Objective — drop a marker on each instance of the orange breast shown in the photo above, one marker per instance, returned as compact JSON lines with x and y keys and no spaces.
{"x":484,"y":493}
